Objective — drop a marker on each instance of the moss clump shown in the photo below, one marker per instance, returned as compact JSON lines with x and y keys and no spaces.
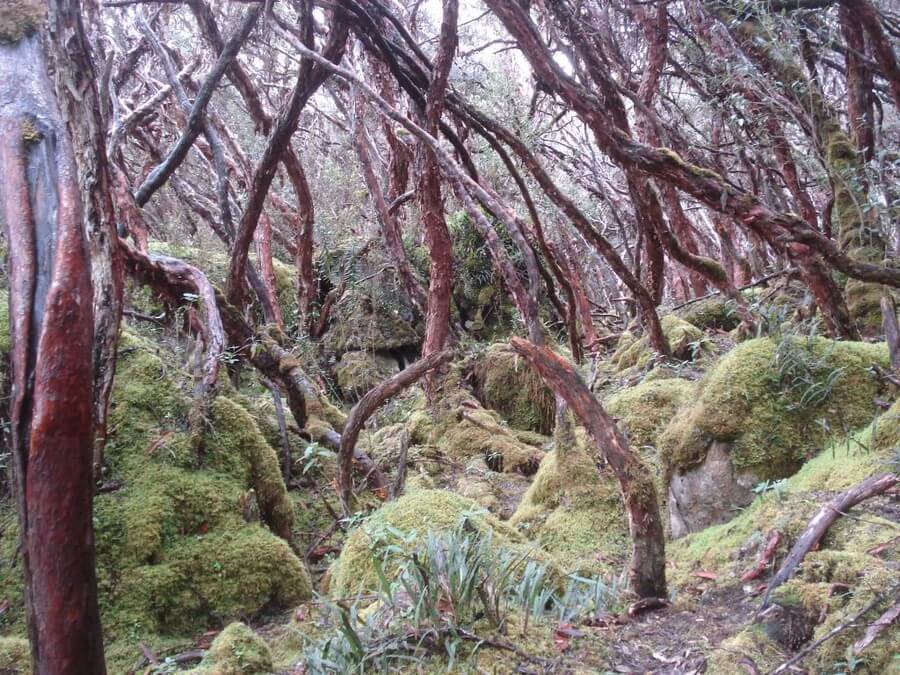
{"x":20,"y":18}
{"x":645,"y":410}
{"x":574,"y":511}
{"x":15,"y":655}
{"x":358,"y":372}
{"x":772,"y":401}
{"x":361,"y":323}
{"x":403,"y":523}
{"x":713,"y":312}
{"x":237,"y":650}
{"x":681,"y":335}
{"x":751,"y":643}
{"x":507,"y":384}
{"x":177,"y":548}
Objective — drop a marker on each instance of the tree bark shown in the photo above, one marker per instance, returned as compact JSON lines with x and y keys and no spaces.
{"x":368,"y":404}
{"x":647,"y":572}
{"x":51,"y":330}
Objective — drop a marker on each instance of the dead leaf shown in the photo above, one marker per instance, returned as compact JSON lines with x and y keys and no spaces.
{"x":712,"y":576}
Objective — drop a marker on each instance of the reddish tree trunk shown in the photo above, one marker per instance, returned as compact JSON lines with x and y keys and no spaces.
{"x":368,"y":404}
{"x":266,"y":267}
{"x":51,"y":329}
{"x":648,"y":561}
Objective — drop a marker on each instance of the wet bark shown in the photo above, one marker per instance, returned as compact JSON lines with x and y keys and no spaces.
{"x":51,"y":330}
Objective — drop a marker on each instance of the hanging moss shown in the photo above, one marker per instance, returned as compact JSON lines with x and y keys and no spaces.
{"x":20,"y":18}
{"x":237,"y":650}
{"x":775,"y":403}
{"x":506,"y":384}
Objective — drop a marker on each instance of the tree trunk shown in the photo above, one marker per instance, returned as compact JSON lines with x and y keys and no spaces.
{"x":51,"y":330}
{"x":368,"y":404}
{"x":648,"y":561}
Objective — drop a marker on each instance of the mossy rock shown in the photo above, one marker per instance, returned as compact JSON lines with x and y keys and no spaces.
{"x":20,"y":18}
{"x":404,"y":523}
{"x":714,"y":312}
{"x":730,"y":548}
{"x":178,"y":545}
{"x":505,"y":383}
{"x":358,"y":372}
{"x":645,"y":409}
{"x":237,"y":650}
{"x":574,"y":511}
{"x":763,"y":410}
{"x":768,"y":400}
{"x":682,"y":336}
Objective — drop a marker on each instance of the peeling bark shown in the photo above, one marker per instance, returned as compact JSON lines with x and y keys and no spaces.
{"x":51,"y":330}
{"x":647,"y":573}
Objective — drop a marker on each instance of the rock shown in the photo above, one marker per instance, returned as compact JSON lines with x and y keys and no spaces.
{"x":708,"y":494}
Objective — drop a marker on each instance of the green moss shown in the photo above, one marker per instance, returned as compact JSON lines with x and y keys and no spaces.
{"x":404,"y":523}
{"x":574,"y":511}
{"x":20,"y":18}
{"x":226,"y":574}
{"x":730,"y":548}
{"x":713,"y":312}
{"x":507,"y":384}
{"x":752,"y":642}
{"x":358,"y":372}
{"x":15,"y":656}
{"x":177,"y":547}
{"x":681,"y":335}
{"x":645,"y":410}
{"x":237,"y":650}
{"x":773,"y":402}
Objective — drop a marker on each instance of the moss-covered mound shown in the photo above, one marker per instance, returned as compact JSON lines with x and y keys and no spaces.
{"x":505,"y":383}
{"x":645,"y":410}
{"x":774,"y":403}
{"x":860,"y":554}
{"x":713,"y":312}
{"x":187,"y":539}
{"x":357,"y":372}
{"x":237,"y":650}
{"x":574,"y":511}
{"x":404,"y":523}
{"x":683,"y":338}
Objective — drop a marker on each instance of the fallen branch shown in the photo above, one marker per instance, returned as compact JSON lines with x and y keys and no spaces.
{"x":820,"y":523}
{"x":875,"y":629}
{"x":837,"y":630}
{"x":367,"y":405}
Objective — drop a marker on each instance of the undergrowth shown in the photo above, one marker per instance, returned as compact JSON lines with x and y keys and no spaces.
{"x":456,"y":593}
